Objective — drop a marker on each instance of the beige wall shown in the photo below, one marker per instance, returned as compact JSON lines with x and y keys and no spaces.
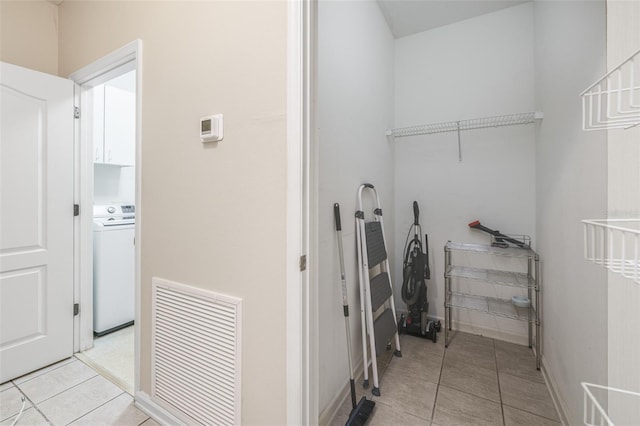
{"x":29,"y":34}
{"x":213,"y":216}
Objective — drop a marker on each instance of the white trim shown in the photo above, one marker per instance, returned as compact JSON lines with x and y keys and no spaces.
{"x":84,"y":261}
{"x":558,"y":402}
{"x":101,"y":67}
{"x":302,"y":330}
{"x":296,"y":351}
{"x":146,"y":405}
{"x":86,"y":77}
{"x":77,"y":223}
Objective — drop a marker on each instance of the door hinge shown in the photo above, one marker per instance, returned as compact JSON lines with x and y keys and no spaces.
{"x":76,"y":309}
{"x":76,"y":209}
{"x":303,"y":262}
{"x":76,"y":112}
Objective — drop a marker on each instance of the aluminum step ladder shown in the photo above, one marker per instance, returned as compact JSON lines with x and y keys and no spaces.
{"x":375,"y":293}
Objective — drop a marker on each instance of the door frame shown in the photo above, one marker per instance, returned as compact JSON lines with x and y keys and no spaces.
{"x":302,"y":295}
{"x":83,"y":194}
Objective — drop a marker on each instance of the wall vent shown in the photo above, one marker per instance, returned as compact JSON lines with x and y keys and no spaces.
{"x":196,"y":356}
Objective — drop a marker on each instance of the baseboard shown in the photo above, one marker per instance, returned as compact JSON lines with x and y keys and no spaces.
{"x":517,"y":338}
{"x":492,"y":333}
{"x":144,"y":402}
{"x":330,"y":411}
{"x":558,"y":402}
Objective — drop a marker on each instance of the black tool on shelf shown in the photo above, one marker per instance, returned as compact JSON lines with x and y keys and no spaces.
{"x":500,"y":240}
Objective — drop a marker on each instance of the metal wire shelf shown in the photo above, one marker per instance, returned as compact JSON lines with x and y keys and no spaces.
{"x":488,"y":249}
{"x":597,"y":397}
{"x":490,"y":305}
{"x":469,"y":124}
{"x":513,"y":279}
{"x":613,"y":102}
{"x":614,"y":244}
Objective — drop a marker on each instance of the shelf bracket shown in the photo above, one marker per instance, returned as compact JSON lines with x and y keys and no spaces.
{"x":459,"y":143}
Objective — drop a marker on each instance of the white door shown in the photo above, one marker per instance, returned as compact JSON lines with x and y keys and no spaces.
{"x":36,"y":220}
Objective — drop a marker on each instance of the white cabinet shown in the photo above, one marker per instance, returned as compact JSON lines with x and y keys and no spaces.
{"x":114,"y":126}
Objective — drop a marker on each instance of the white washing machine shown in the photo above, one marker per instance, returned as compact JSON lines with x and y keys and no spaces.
{"x":113,"y":267}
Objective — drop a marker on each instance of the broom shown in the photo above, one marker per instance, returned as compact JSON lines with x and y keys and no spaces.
{"x":361,"y":411}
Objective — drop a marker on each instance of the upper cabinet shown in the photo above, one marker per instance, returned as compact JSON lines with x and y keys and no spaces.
{"x":114,"y":125}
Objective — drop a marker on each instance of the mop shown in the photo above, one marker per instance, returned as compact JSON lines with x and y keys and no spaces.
{"x":361,"y":411}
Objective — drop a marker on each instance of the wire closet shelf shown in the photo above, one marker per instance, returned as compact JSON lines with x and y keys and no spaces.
{"x":613,"y":102}
{"x":469,"y":124}
{"x":597,"y":398}
{"x":614,"y":244}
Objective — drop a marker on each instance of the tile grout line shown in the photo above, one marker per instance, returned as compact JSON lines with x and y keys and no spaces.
{"x":533,"y":414}
{"x":144,"y":421}
{"x":91,"y":411}
{"x":63,"y":363}
{"x":495,"y":358}
{"x":35,"y":407}
{"x":469,"y":393}
{"x":522,"y":409}
{"x":435,"y":399}
{"x":61,"y":392}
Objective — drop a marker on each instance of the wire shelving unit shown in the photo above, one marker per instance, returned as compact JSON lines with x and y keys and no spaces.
{"x":495,"y":306}
{"x":613,"y":102}
{"x":614,"y":244}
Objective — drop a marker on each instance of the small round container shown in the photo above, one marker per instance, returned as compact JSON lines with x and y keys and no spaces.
{"x":521,"y":301}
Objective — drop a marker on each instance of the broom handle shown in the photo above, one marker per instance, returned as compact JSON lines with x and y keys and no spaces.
{"x":345,"y":300}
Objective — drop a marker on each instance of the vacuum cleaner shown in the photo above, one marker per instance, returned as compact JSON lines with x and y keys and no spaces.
{"x":415,"y":272}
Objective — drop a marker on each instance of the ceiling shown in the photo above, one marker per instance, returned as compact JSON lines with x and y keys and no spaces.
{"x":406,"y":17}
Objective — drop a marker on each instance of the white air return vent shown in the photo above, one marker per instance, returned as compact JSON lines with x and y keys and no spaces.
{"x":196,"y":337}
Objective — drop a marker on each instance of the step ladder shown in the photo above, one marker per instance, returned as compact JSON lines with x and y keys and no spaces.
{"x":375,"y":293}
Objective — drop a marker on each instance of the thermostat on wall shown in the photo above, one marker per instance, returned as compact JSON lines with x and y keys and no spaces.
{"x":211,"y":128}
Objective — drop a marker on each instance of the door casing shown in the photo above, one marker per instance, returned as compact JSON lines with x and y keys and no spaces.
{"x":103,"y":69}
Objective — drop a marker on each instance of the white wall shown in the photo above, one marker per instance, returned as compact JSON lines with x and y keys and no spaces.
{"x":571,"y":184}
{"x":355,"y":106}
{"x":623,"y":40}
{"x":475,"y":68}
{"x":113,"y":184}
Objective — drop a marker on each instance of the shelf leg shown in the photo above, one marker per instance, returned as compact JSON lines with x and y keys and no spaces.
{"x":529,"y":294}
{"x":538,"y":336}
{"x":447,"y":285}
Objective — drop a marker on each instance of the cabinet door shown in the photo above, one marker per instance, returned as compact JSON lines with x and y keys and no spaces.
{"x":119,"y":126}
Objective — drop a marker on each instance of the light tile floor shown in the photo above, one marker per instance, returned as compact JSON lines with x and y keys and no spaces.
{"x":475,"y":381}
{"x":69,"y":392}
